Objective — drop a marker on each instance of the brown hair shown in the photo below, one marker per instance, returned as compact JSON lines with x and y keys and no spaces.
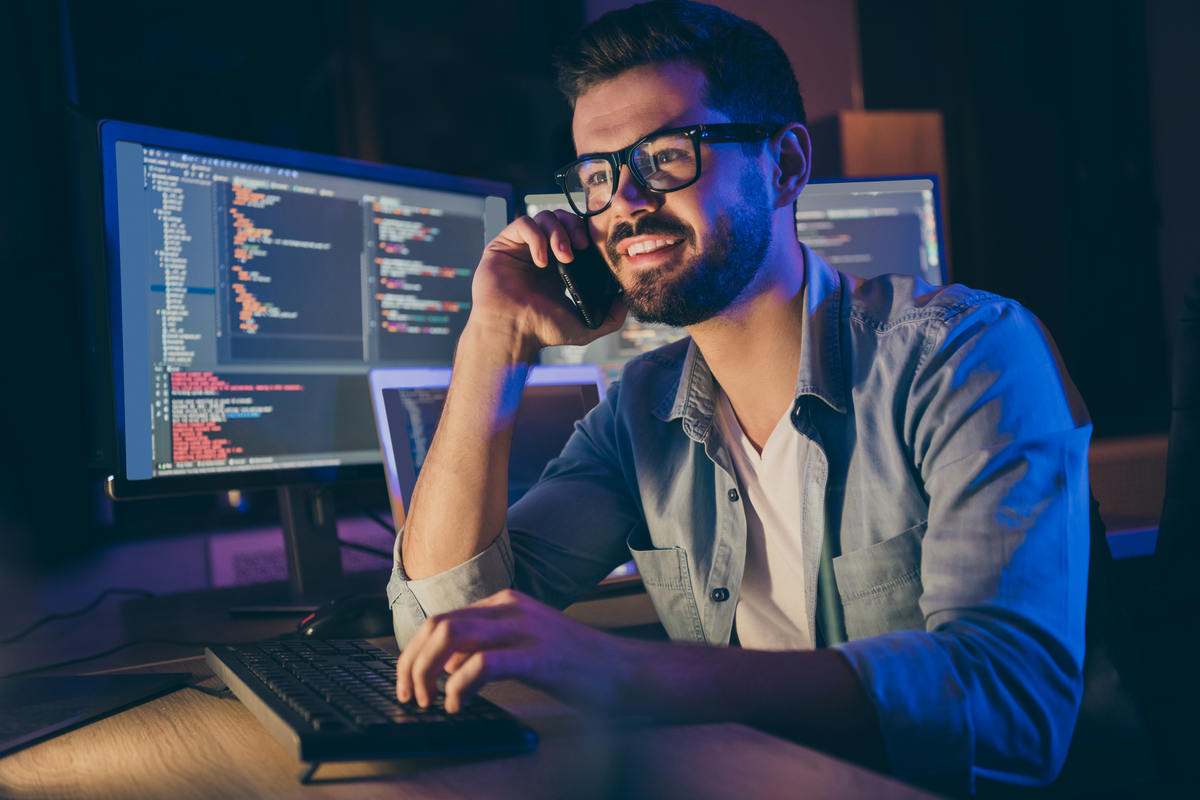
{"x":749,"y":76}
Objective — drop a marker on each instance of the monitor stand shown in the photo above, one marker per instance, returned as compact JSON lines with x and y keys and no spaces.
{"x":314,"y":557}
{"x":310,"y":540}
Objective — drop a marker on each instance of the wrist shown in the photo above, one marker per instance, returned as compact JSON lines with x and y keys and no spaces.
{"x":497,"y":338}
{"x":658,"y":679}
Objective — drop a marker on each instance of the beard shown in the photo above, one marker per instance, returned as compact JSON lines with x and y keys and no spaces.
{"x":709,"y":283}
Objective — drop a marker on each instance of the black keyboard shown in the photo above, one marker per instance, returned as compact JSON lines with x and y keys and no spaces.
{"x":335,"y":700}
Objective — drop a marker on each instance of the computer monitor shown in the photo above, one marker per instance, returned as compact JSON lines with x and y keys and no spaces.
{"x":872,"y":226}
{"x":251,"y":290}
{"x":864,"y":226}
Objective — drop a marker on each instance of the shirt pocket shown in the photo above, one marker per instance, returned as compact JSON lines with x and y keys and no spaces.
{"x":880,"y":586}
{"x":668,"y":581}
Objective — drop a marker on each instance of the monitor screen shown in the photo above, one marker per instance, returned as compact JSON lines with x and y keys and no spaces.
{"x":252,"y":289}
{"x":874,"y":226}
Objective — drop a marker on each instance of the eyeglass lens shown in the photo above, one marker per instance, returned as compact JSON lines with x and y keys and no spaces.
{"x":662,"y":163}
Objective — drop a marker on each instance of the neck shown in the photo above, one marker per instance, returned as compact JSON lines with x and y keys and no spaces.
{"x":753,"y":347}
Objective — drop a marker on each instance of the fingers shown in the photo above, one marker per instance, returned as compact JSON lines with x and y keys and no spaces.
{"x":444,"y":642}
{"x":455,"y":661}
{"x":560,"y":237}
{"x":550,"y":235}
{"x":482,"y":668}
{"x":507,"y":635}
{"x":423,"y":660}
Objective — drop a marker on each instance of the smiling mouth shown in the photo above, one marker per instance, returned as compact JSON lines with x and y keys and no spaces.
{"x":649,"y":246}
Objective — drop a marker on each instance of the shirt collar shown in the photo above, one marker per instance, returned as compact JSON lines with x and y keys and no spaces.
{"x":821,"y":358}
{"x":692,"y":395}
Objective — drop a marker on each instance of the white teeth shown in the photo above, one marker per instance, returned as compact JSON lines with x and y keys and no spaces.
{"x":648,"y":246}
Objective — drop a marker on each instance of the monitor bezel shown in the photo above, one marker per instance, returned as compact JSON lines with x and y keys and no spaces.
{"x":109,"y":132}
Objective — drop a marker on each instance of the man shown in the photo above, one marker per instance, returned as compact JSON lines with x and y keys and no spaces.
{"x":877,"y":488}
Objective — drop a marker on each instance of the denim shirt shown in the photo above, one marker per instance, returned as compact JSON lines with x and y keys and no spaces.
{"x":945,"y":504}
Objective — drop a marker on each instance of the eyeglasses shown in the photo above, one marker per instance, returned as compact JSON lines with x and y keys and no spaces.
{"x":664,"y":161}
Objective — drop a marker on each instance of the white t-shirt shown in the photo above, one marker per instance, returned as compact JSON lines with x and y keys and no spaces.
{"x":771,"y":610}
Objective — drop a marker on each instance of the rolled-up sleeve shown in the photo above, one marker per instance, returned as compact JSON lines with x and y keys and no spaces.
{"x":474,"y":579}
{"x":991,"y":687}
{"x":565,"y":535}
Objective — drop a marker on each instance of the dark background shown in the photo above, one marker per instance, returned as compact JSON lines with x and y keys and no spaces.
{"x":1047,"y":107}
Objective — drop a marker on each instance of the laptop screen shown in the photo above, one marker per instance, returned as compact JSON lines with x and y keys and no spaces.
{"x":409,"y":401}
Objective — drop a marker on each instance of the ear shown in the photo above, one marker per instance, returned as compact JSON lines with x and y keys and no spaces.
{"x":792,"y":150}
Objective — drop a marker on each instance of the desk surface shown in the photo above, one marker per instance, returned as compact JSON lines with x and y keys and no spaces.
{"x":191,"y":745}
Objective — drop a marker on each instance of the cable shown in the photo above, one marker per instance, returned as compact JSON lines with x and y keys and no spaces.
{"x":380,"y":521}
{"x":80,"y":612}
{"x":366,"y":548}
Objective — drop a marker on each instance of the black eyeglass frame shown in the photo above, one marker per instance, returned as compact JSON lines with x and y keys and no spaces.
{"x":715,"y":133}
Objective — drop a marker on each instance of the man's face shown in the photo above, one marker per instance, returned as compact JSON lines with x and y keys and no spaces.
{"x":682,"y":257}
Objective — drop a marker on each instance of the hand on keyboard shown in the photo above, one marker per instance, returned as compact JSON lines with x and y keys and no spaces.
{"x":510,"y":635}
{"x":335,"y":701}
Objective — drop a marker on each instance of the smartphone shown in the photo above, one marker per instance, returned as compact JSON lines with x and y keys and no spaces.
{"x":590,"y":286}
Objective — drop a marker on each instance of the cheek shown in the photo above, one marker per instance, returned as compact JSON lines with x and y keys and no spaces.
{"x":701,"y":212}
{"x":727,"y":192}
{"x":711,"y":196}
{"x":599,"y":235}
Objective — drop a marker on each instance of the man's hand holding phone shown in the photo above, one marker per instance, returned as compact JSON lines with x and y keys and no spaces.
{"x":519,"y":282}
{"x":518,"y":307}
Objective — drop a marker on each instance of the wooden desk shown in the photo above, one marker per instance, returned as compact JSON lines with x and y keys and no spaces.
{"x":192,"y":745}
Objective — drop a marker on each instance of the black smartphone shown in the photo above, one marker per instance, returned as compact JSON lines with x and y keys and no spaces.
{"x":590,"y":286}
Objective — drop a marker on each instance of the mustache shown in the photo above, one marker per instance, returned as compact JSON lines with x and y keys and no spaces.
{"x":646,"y":226}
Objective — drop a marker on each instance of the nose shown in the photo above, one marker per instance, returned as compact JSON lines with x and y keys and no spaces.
{"x":630,"y":198}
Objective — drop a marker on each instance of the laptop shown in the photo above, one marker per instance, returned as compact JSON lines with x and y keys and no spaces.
{"x":408,"y":403}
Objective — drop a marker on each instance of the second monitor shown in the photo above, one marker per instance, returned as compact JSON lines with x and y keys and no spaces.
{"x":874,"y":226}
{"x":865,"y":227}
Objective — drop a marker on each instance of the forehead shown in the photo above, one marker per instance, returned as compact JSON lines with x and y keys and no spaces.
{"x":621,"y":110}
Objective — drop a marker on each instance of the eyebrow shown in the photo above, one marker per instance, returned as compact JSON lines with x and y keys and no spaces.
{"x":657,"y":130}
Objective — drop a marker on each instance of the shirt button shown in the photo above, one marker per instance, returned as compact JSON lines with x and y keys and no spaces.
{"x":719,"y":595}
{"x":733,"y":495}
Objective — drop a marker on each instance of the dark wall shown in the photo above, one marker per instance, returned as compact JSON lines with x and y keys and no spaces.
{"x":1174,"y":63}
{"x":1051,"y":180}
{"x":461,"y":86}
{"x":42,"y":396}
